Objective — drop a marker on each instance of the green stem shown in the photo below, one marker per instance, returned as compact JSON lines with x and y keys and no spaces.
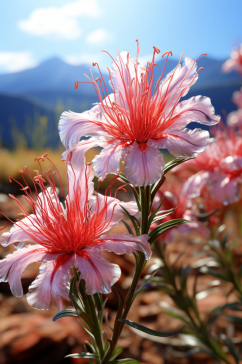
{"x":91,"y":311}
{"x":145,"y":201}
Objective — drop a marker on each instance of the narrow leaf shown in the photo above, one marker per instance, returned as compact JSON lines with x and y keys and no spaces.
{"x":82,"y":356}
{"x":127,"y":227}
{"x":131,"y":219}
{"x":65,"y":313}
{"x":147,"y":330}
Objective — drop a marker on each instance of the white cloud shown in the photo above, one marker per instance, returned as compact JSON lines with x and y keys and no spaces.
{"x":60,"y":21}
{"x":144,"y":59}
{"x":99,"y":37}
{"x":16,"y":61}
{"x":85,"y":58}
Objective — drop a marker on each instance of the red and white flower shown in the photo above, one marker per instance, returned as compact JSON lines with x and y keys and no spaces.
{"x":219,"y":169}
{"x":184,"y":208}
{"x":138,"y":119}
{"x":234,"y":62}
{"x":235,"y":117}
{"x":65,"y":235}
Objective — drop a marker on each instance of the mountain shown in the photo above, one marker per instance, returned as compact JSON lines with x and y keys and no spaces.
{"x":48,"y":89}
{"x":24,"y":123}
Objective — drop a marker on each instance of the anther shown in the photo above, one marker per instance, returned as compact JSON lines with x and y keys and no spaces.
{"x":94,"y":64}
{"x":168,"y":53}
{"x":76,"y":85}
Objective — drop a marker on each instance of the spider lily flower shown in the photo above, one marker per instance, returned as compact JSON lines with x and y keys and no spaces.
{"x":139,"y":118}
{"x":66,"y":235}
{"x":234,"y":62}
{"x":235,"y":117}
{"x":219,"y":169}
{"x":184,"y":208}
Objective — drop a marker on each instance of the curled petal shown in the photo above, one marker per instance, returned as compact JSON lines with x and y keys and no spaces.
{"x":143,"y":167}
{"x":185,"y":143}
{"x":12,"y":266}
{"x":177,"y":84}
{"x":39,"y":295}
{"x":196,"y":109}
{"x":76,"y":156}
{"x":18,"y":234}
{"x":124,"y":244}
{"x":73,"y":126}
{"x":193,"y":186}
{"x":108,"y":161}
{"x":98,"y":273}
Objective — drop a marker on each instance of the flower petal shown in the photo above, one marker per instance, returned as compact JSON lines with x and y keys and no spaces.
{"x":124,"y":244}
{"x":39,"y":295}
{"x":98,"y":273}
{"x":196,"y":109}
{"x":121,"y":75}
{"x":225,"y":190}
{"x":177,"y":84}
{"x":76,"y":156}
{"x":73,"y":126}
{"x":108,"y":161}
{"x":12,"y":266}
{"x":112,"y":210}
{"x":18,"y":233}
{"x":185,"y":143}
{"x":143,"y":167}
{"x":193,"y":186}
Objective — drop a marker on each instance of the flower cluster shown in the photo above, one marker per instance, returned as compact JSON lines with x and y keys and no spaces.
{"x":219,"y":168}
{"x":131,"y":124}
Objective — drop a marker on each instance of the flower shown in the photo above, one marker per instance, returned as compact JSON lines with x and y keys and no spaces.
{"x":219,"y":169}
{"x":235,"y":117}
{"x":235,"y":62}
{"x":184,"y":208}
{"x":134,"y":122}
{"x":65,"y":235}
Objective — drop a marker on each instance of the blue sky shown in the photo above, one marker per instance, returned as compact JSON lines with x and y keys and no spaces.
{"x":76,"y":30}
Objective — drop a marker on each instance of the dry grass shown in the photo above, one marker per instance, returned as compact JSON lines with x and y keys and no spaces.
{"x":12,"y":161}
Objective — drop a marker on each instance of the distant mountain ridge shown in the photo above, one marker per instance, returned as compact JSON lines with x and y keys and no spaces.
{"x":49,"y":88}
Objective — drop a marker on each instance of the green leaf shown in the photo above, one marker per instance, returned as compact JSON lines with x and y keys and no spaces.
{"x":162,"y":228}
{"x":125,"y":361}
{"x":225,"y":239}
{"x":174,"y":163}
{"x":155,"y":212}
{"x":236,"y":319}
{"x":82,"y":356}
{"x":127,"y":227}
{"x":156,"y":186}
{"x":147,"y":330}
{"x":117,"y":351}
{"x":235,"y":306}
{"x":65,"y":313}
{"x":231,"y":348}
{"x":109,"y":325}
{"x":142,"y":287}
{"x":131,"y":218}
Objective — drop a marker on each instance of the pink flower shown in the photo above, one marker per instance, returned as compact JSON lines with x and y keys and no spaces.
{"x":184,"y":207}
{"x":235,"y":117}
{"x":69,"y":234}
{"x":219,"y":169}
{"x":138,"y":119}
{"x":235,"y":62}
